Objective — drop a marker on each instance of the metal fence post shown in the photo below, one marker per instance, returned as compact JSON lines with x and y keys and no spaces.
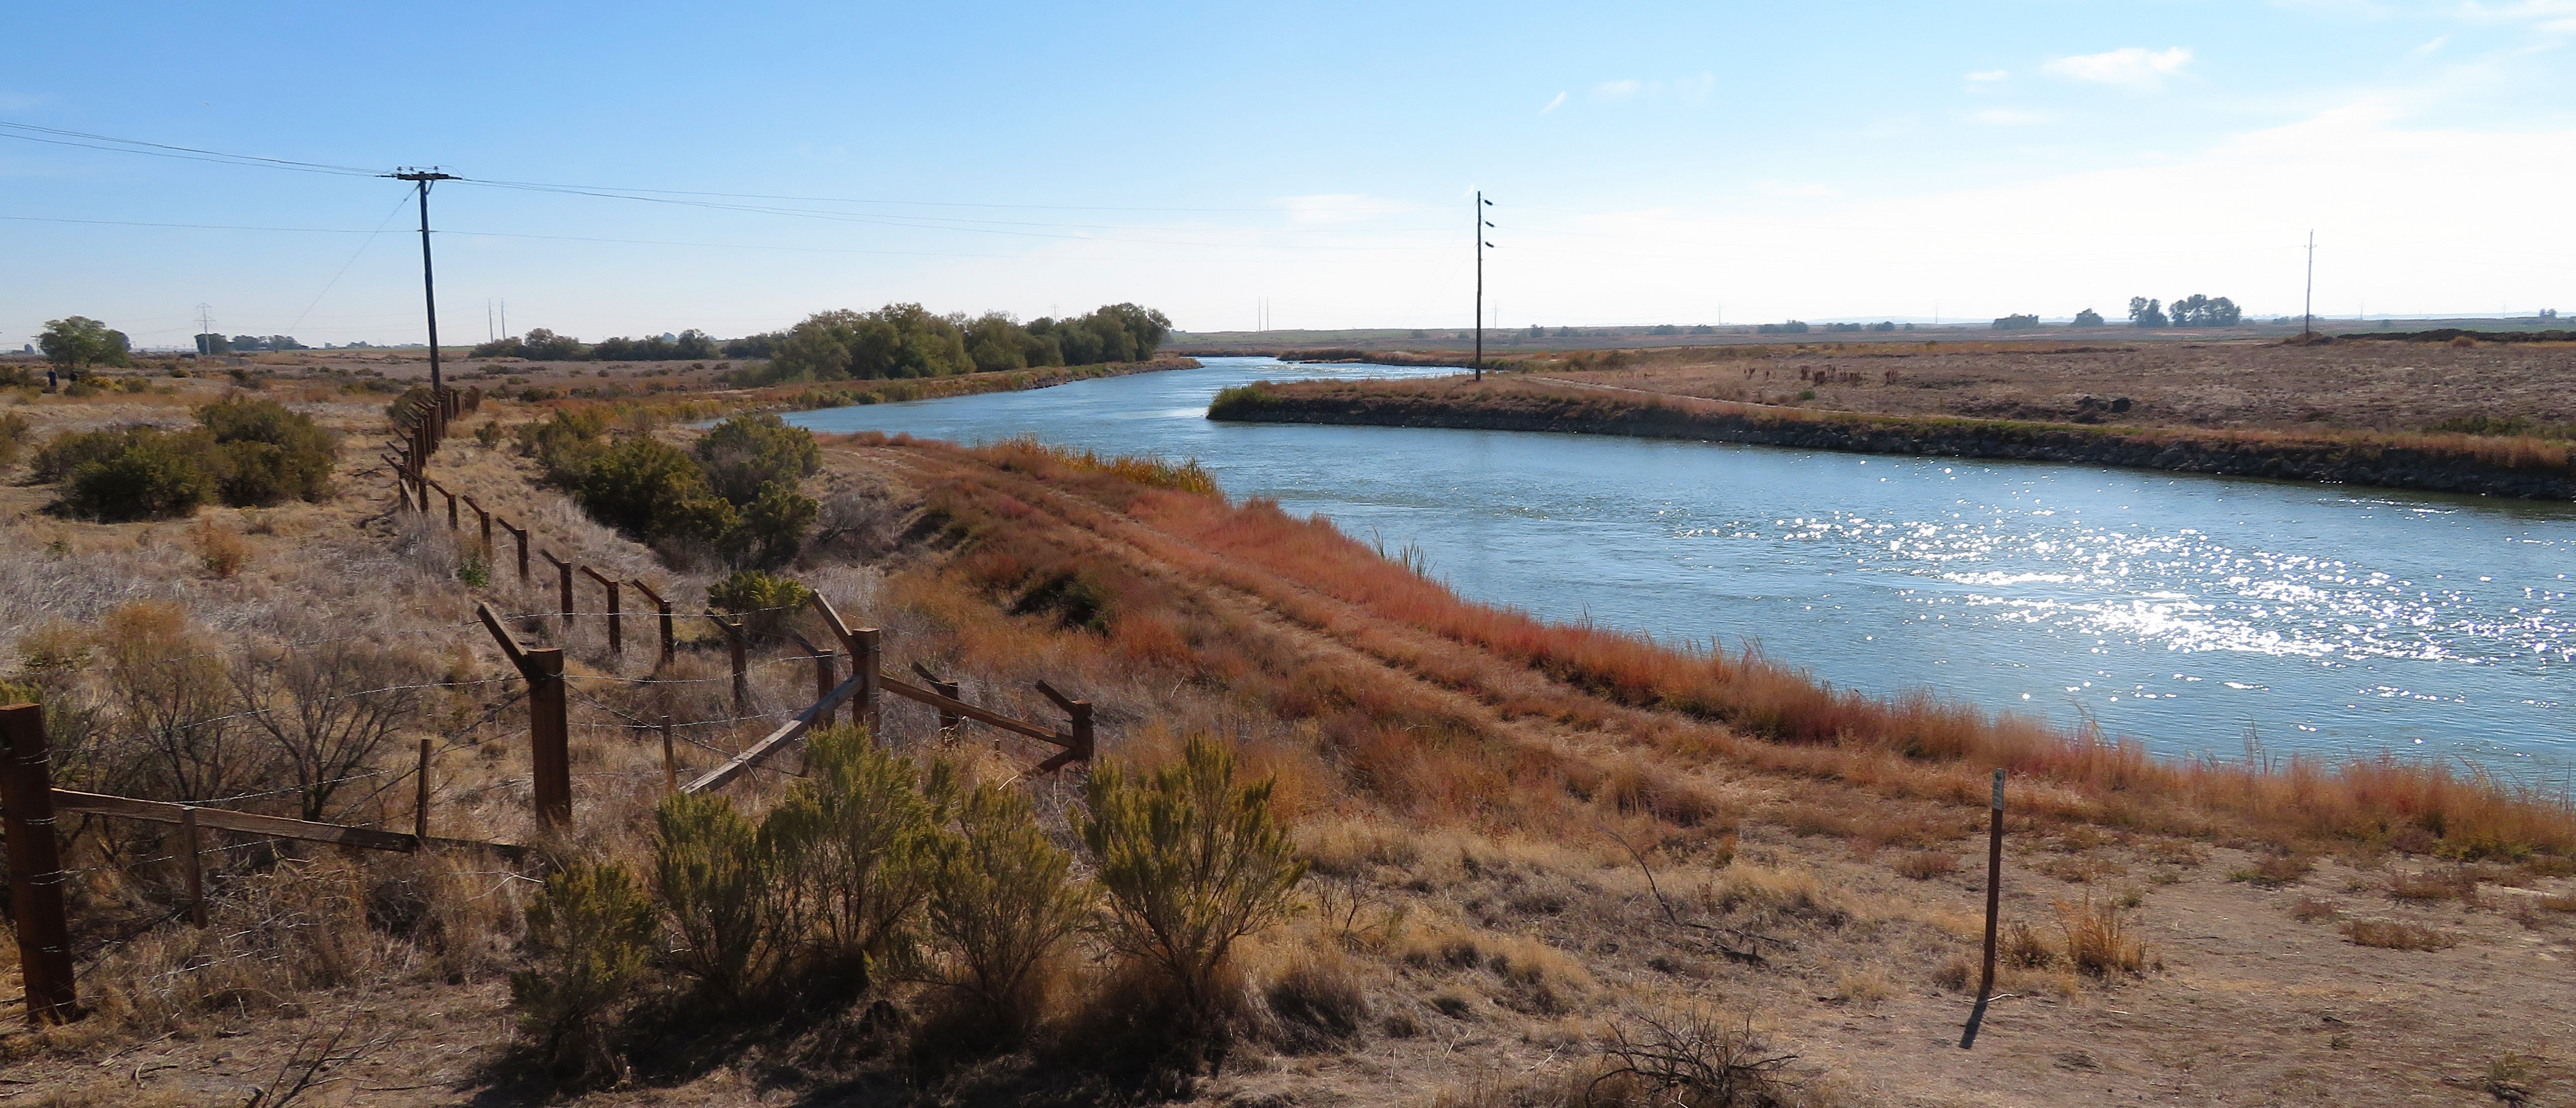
{"x":35,"y":867}
{"x":1994,"y":902}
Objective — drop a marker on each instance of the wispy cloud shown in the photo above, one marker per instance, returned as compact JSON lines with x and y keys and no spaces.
{"x":1694,"y":89}
{"x":2429,"y":47}
{"x":18,"y":101}
{"x":1986,"y":76}
{"x":2554,"y":16}
{"x":1553,"y":105}
{"x":1327,"y":208}
{"x":2010,"y":117}
{"x":2131,"y":67}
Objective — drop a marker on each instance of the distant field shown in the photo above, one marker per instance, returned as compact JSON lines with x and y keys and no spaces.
{"x":2486,"y":388}
{"x":1504,"y":342}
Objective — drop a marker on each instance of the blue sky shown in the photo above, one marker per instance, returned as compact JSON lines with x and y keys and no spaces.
{"x":1650,"y":162}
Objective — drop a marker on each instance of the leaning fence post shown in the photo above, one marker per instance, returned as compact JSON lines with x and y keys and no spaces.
{"x":616,"y":636}
{"x":486,"y":518}
{"x":563,"y":572}
{"x":191,"y":843}
{"x":1079,"y":742}
{"x":549,"y":746}
{"x":35,"y":867}
{"x":521,"y":535}
{"x":664,"y":606}
{"x":949,"y":721}
{"x":1994,"y":902}
{"x":867,"y":659}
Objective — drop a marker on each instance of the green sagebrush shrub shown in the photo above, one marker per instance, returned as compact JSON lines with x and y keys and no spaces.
{"x":13,"y":437}
{"x":819,"y":894}
{"x":592,"y":934}
{"x":245,"y":453}
{"x":855,"y":848}
{"x":150,"y":475}
{"x":1002,"y":902}
{"x":736,"y":497}
{"x":711,"y":878}
{"x":1191,"y":862}
{"x":765,"y":601}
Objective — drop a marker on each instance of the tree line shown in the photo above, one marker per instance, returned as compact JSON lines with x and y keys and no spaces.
{"x":897,"y":340}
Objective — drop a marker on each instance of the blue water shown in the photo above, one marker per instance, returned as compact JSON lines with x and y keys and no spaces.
{"x":2190,"y":612}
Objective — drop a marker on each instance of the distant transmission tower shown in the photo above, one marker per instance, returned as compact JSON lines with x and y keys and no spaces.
{"x":205,"y":326}
{"x":2308,"y":311}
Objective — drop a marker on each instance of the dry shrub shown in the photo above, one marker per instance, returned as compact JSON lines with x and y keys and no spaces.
{"x":1317,"y":1001}
{"x":2390,"y":935}
{"x":2026,"y":948}
{"x":223,"y":553}
{"x":2563,"y":902}
{"x":1696,"y":1060}
{"x":2311,"y":910}
{"x":1957,"y":974}
{"x":2432,"y":887}
{"x":1781,"y":893}
{"x":1538,"y":978}
{"x":2275,"y":871}
{"x":1926,"y":864}
{"x":1862,"y":985}
{"x":2098,"y":941}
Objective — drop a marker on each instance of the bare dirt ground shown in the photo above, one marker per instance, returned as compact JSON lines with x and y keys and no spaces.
{"x":1490,"y":956}
{"x":2348,"y":385}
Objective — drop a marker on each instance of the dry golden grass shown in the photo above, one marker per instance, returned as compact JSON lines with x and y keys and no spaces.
{"x":2388,"y":935}
{"x":1925,"y":865}
{"x":2275,"y":870}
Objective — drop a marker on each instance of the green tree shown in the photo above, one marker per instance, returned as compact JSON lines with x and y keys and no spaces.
{"x":74,"y":342}
{"x":2146,"y":313}
{"x":1192,"y":862}
{"x":2088,"y":318}
{"x":153,"y":475}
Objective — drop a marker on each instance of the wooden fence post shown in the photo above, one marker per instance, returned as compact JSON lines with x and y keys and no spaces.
{"x":741,"y":668}
{"x":1080,"y":743}
{"x":35,"y":867}
{"x":451,"y":507}
{"x":563,"y":572}
{"x":549,"y":730}
{"x":521,"y":535}
{"x":420,"y":801}
{"x":616,"y":636}
{"x":664,"y":606}
{"x":823,"y":682}
{"x":1994,"y":902}
{"x":192,"y":844}
{"x":670,"y":760}
{"x":867,"y":659}
{"x":949,"y":721}
{"x":486,"y":520}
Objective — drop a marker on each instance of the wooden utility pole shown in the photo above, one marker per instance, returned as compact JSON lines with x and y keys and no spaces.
{"x":35,"y":867}
{"x":1994,"y":905}
{"x":1481,"y":244}
{"x":428,"y":285}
